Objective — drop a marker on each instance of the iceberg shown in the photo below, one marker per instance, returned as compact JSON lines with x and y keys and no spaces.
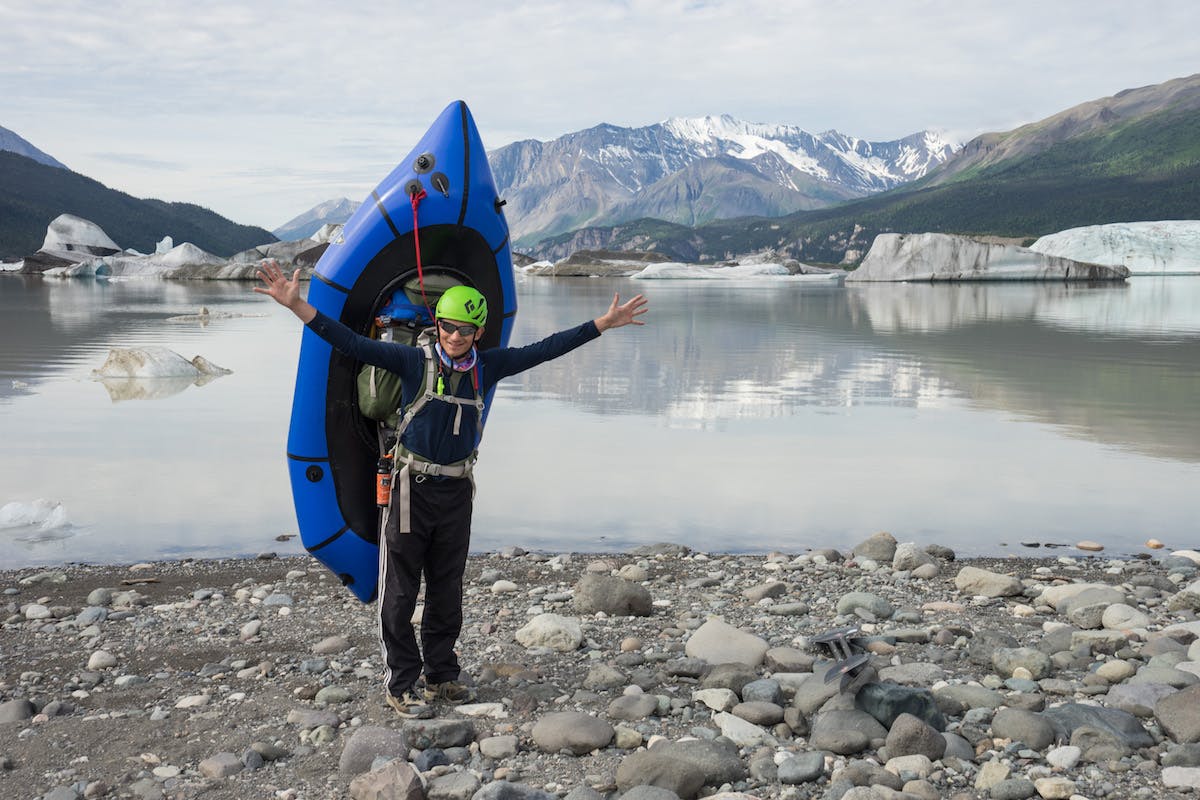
{"x":155,"y":362}
{"x":899,"y":257}
{"x":152,"y":373}
{"x":70,"y":235}
{"x":678,"y":271}
{"x":1166,"y":247}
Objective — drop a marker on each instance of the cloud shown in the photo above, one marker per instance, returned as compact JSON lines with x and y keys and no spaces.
{"x":141,"y":162}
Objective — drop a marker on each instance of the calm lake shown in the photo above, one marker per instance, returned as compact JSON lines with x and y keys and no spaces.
{"x":746,"y":416}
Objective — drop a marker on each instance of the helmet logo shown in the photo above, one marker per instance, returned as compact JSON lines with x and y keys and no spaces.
{"x":469,"y":306}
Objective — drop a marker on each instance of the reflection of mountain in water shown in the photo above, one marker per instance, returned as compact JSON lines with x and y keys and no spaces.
{"x":713,"y":356}
{"x":1117,"y":365}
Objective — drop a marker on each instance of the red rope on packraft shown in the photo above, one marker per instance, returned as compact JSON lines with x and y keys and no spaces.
{"x":417,"y":197}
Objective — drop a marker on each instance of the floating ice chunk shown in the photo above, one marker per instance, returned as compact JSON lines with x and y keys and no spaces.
{"x":41,"y":515}
{"x":165,"y":246}
{"x":204,"y":316}
{"x":11,"y":266}
{"x":155,"y":362}
{"x":90,"y":268}
{"x":147,"y":362}
{"x":150,"y":373}
{"x":676,"y":271}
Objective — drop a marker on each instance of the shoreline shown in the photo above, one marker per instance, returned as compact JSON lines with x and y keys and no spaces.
{"x":254,"y":677}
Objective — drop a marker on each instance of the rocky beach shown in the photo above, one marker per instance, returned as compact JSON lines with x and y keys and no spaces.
{"x":658,"y":673}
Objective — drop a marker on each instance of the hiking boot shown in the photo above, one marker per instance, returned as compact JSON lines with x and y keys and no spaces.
{"x":452,"y":692}
{"x":409,"y":705}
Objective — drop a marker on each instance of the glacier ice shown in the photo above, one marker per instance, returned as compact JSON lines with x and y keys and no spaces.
{"x":69,"y":235}
{"x":1165,"y":247}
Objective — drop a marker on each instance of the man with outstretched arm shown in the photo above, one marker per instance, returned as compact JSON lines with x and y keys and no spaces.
{"x":427,"y":527}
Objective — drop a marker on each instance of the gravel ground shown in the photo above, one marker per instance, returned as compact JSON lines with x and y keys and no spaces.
{"x":242,"y":635}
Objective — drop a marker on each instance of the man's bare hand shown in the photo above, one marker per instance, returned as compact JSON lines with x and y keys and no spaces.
{"x":621,"y":314}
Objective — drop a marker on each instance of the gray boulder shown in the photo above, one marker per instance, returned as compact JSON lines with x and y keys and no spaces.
{"x":1178,"y":714}
{"x":976,"y":581}
{"x":367,"y":744}
{"x":886,"y":702}
{"x":881,"y":547}
{"x":1028,"y":727}
{"x":718,"y":642}
{"x":614,"y":596}
{"x":845,"y":731}
{"x":912,"y":736}
{"x":571,"y":730}
{"x":1124,"y":725}
{"x":395,"y":780}
{"x":506,"y":790}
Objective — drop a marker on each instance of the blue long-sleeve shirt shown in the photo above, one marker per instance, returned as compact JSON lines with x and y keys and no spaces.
{"x":431,"y":433}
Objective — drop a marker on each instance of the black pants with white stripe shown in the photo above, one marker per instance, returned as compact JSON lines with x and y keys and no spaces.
{"x":436,"y":548}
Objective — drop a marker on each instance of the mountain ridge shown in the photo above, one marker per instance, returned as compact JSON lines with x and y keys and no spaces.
{"x":35,"y":194}
{"x":336,"y":211}
{"x":12,"y":142}
{"x":1139,"y":160}
{"x":606,"y":172}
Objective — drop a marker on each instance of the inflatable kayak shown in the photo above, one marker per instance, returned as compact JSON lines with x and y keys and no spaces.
{"x":435,"y":221}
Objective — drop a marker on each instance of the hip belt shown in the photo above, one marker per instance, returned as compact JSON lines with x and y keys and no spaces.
{"x":397,"y":517}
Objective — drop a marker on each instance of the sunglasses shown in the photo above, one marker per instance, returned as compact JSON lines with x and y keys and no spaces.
{"x":463,"y":330}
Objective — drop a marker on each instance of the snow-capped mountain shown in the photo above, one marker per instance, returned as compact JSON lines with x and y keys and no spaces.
{"x":692,"y":170}
{"x":336,"y":211}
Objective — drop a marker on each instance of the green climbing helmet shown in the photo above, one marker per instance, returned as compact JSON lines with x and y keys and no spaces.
{"x":463,"y":303}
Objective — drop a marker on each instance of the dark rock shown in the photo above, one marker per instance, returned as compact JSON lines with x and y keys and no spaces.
{"x":1013,"y":789}
{"x":802,"y":768}
{"x":1184,"y":755}
{"x":1122,"y":724}
{"x":984,"y":645}
{"x":887,"y":701}
{"x":1098,"y":745}
{"x":504,"y":790}
{"x":423,"y":734}
{"x":729,"y":676}
{"x":655,"y":768}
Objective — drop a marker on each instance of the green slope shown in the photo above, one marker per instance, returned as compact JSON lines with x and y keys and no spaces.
{"x":1142,"y":170}
{"x":34,"y":194}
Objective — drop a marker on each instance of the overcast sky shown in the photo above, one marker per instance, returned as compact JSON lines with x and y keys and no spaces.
{"x":260,"y":110}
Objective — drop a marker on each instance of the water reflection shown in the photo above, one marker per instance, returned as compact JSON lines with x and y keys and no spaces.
{"x":1117,"y":365}
{"x":757,"y":415}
